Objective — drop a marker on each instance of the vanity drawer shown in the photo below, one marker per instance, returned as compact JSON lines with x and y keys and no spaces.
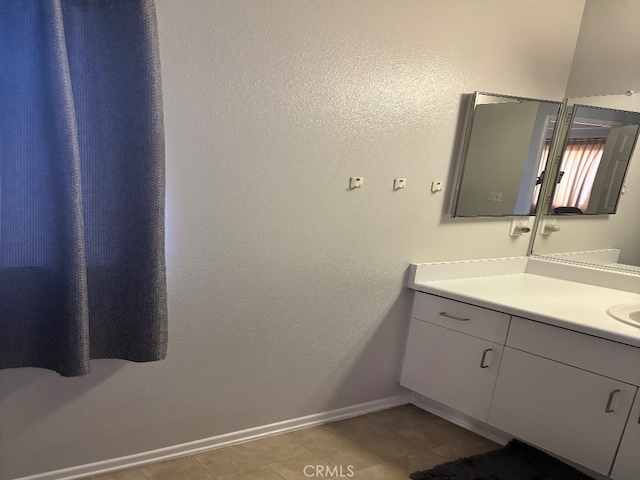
{"x":604,"y":357}
{"x":461,"y":317}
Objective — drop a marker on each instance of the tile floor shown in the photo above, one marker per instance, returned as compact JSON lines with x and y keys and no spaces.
{"x":385,"y":445}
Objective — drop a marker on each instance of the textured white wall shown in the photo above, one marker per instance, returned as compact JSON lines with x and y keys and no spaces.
{"x":607,"y":57}
{"x":286,"y":289}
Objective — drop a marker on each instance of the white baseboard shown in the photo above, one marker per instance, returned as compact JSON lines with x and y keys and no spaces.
{"x":211,"y":443}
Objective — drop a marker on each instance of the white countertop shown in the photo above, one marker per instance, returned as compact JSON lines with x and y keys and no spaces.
{"x":576,"y":306}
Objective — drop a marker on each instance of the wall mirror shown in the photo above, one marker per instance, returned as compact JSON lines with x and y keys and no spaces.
{"x":605,"y":180}
{"x":506,"y":143}
{"x":595,"y":157}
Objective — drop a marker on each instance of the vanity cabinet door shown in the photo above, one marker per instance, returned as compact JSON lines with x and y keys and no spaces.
{"x":452,"y":368}
{"x":627,"y":464}
{"x":574,"y":413}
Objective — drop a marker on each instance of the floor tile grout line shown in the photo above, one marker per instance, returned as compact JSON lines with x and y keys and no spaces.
{"x":393,"y":420}
{"x":248,"y":470}
{"x":209,"y":472}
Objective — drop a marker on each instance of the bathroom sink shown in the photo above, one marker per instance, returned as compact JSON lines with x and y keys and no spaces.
{"x":626,"y":312}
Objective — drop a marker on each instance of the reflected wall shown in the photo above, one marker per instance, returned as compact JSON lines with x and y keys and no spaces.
{"x":609,"y":240}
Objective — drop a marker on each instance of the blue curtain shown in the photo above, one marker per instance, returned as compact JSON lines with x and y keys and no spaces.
{"x":82,"y":272}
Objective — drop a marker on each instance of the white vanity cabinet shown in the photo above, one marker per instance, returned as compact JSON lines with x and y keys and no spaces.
{"x":453,"y":353}
{"x":562,"y":374}
{"x":566,"y":392}
{"x":570,"y":393}
{"x":627,"y":464}
{"x":576,"y":414}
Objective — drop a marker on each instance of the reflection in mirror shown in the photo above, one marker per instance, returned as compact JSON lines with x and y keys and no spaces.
{"x":604,"y":241}
{"x":595,"y":159}
{"x":504,"y":148}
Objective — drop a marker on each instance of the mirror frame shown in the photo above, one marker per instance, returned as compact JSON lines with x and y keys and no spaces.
{"x":463,"y":157}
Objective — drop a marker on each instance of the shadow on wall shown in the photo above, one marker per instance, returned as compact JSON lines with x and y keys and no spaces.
{"x":43,"y":386}
{"x":362,"y":367}
{"x":466,"y":104}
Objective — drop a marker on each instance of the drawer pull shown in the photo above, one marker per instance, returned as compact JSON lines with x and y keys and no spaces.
{"x":611,"y":395}
{"x":445,"y":314}
{"x":484,"y":356}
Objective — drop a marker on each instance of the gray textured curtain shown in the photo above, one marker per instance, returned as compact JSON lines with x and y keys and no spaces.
{"x":82,"y":271}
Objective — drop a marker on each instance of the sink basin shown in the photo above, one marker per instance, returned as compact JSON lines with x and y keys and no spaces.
{"x":626,"y":312}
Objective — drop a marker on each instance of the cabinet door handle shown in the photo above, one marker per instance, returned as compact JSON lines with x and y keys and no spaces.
{"x":445,"y":314}
{"x":484,"y":356}
{"x":611,"y":395}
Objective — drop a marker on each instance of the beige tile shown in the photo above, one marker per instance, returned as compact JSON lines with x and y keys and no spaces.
{"x":427,"y":435}
{"x":129,"y":474}
{"x":457,"y":432}
{"x":318,"y":438}
{"x":459,"y":449}
{"x":382,"y":471}
{"x":402,"y":416}
{"x":350,"y":454}
{"x":482,"y":441}
{"x":358,"y":427}
{"x":389,"y":445}
{"x":294,"y":468}
{"x":183,"y":468}
{"x":275,"y":448}
{"x":418,"y":461}
{"x":227,"y":460}
{"x":383,"y":445}
{"x":261,"y":473}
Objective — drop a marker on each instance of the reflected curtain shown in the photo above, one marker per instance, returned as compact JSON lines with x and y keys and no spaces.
{"x":82,"y":272}
{"x":580,"y":165}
